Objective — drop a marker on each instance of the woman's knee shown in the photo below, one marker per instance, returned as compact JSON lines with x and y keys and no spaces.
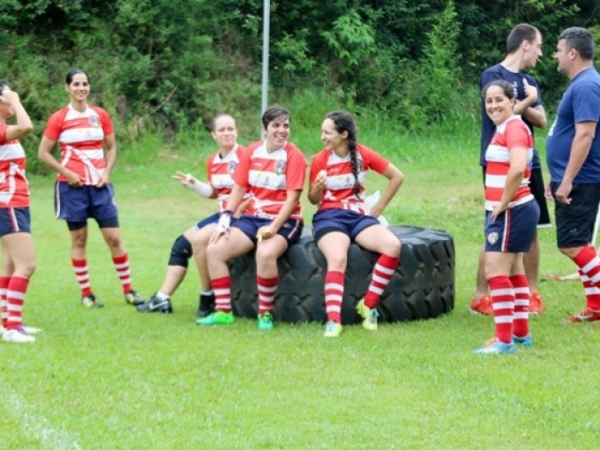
{"x":336,"y":261}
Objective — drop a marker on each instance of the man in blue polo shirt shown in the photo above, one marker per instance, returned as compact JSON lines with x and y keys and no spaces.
{"x":573,"y":154}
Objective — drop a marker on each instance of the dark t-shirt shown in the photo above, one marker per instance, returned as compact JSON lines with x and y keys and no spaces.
{"x":499,"y":72}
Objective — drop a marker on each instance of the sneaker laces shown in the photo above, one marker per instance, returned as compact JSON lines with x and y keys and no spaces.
{"x":372,"y":315}
{"x":331,"y":326}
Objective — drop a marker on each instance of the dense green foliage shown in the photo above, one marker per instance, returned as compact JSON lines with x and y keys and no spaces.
{"x":112,"y":378}
{"x":171,"y":65}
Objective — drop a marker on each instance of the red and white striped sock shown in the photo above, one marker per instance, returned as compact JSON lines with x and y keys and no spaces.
{"x":3,"y":302}
{"x":15,"y":297}
{"x":222,"y":290}
{"x":267,"y":287}
{"x":80,"y":268}
{"x":589,"y":266}
{"x":334,"y":293}
{"x":503,"y":302}
{"x":382,"y":274}
{"x":521,"y":312}
{"x":122,"y":267}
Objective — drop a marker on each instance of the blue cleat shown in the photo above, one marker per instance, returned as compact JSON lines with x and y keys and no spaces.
{"x":496,"y":347}
{"x":525,"y":341}
{"x":265,"y":321}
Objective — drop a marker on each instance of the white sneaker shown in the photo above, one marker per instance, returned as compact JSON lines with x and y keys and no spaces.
{"x":32,"y":330}
{"x":28,"y":330}
{"x":18,"y":335}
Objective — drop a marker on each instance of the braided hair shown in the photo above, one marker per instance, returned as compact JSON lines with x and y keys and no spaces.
{"x":343,"y":121}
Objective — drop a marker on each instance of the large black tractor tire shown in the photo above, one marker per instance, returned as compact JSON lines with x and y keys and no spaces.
{"x":422,"y":287}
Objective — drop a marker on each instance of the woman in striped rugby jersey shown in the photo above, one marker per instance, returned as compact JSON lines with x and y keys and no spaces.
{"x":511,"y":219}
{"x":88,"y":153}
{"x":18,"y":257}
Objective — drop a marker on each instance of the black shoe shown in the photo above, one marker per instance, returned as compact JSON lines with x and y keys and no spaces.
{"x":156,"y":305}
{"x":90,"y":301}
{"x":133,"y":298}
{"x":206,"y":306}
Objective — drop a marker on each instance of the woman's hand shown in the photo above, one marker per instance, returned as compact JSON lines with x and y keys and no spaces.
{"x":264,"y":233}
{"x":185,"y":179}
{"x":321,"y":180}
{"x":103,"y":180}
{"x":497,"y":211}
{"x":73,"y":179}
{"x":189,"y":182}
{"x":222,"y":227}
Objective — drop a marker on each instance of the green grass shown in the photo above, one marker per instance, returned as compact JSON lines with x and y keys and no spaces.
{"x":116,"y":379}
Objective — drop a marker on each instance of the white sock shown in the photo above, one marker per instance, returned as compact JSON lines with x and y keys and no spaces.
{"x":162,"y":296}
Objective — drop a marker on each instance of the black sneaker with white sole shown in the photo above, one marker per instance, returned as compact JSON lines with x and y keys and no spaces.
{"x":156,"y":305}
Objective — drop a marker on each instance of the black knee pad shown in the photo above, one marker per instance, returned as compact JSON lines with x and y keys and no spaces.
{"x":181,"y":252}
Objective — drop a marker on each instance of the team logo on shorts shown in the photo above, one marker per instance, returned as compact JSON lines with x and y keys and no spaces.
{"x":492,"y":238}
{"x":231,"y":167}
{"x":94,"y":121}
{"x":279,"y":166}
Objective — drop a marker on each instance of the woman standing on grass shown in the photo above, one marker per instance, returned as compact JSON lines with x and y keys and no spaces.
{"x":88,"y":153}
{"x":337,"y":185}
{"x":273,"y":171}
{"x":219,"y":175}
{"x":18,"y":257}
{"x":512,"y":216}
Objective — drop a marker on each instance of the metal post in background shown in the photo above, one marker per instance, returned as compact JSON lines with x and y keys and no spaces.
{"x":265,"y":58}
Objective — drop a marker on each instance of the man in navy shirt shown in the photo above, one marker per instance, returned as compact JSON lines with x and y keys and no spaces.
{"x":573,"y":152}
{"x":523,"y":49}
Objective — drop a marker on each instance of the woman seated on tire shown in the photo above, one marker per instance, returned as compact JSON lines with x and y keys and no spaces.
{"x":337,"y":184}
{"x":273,"y":171}
{"x":219,"y":182}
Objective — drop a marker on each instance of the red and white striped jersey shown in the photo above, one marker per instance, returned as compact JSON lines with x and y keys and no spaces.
{"x":512,"y":133}
{"x":219,"y":173}
{"x":339,"y":192}
{"x":81,"y":138}
{"x":14,"y":187}
{"x":268,"y":177}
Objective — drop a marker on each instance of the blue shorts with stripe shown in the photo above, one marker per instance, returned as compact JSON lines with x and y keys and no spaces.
{"x":513,"y":230}
{"x":14,"y":220}
{"x":346,"y":221}
{"x":291,"y":229}
{"x":77,"y":204}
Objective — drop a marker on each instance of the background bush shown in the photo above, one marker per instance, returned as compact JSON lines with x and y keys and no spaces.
{"x":167,"y":67}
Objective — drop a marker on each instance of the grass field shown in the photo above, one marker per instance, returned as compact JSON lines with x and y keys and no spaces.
{"x":117,"y":379}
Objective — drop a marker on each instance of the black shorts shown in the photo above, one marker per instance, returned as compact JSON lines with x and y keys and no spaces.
{"x":575,"y":221}
{"x":536,"y":184}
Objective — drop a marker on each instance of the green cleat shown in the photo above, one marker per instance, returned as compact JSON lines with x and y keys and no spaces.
{"x":369,"y":316}
{"x":90,"y":301}
{"x":265,"y":321}
{"x":217,"y":318}
{"x":333,"y":329}
{"x":133,"y":298}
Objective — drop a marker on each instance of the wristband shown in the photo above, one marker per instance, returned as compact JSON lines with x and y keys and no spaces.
{"x":224,"y":222}
{"x":199,"y":187}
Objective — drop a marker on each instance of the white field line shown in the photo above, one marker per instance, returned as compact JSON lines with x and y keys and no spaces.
{"x":34,"y":423}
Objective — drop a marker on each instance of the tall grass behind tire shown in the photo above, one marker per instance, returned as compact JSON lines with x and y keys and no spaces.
{"x":422,"y":287}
